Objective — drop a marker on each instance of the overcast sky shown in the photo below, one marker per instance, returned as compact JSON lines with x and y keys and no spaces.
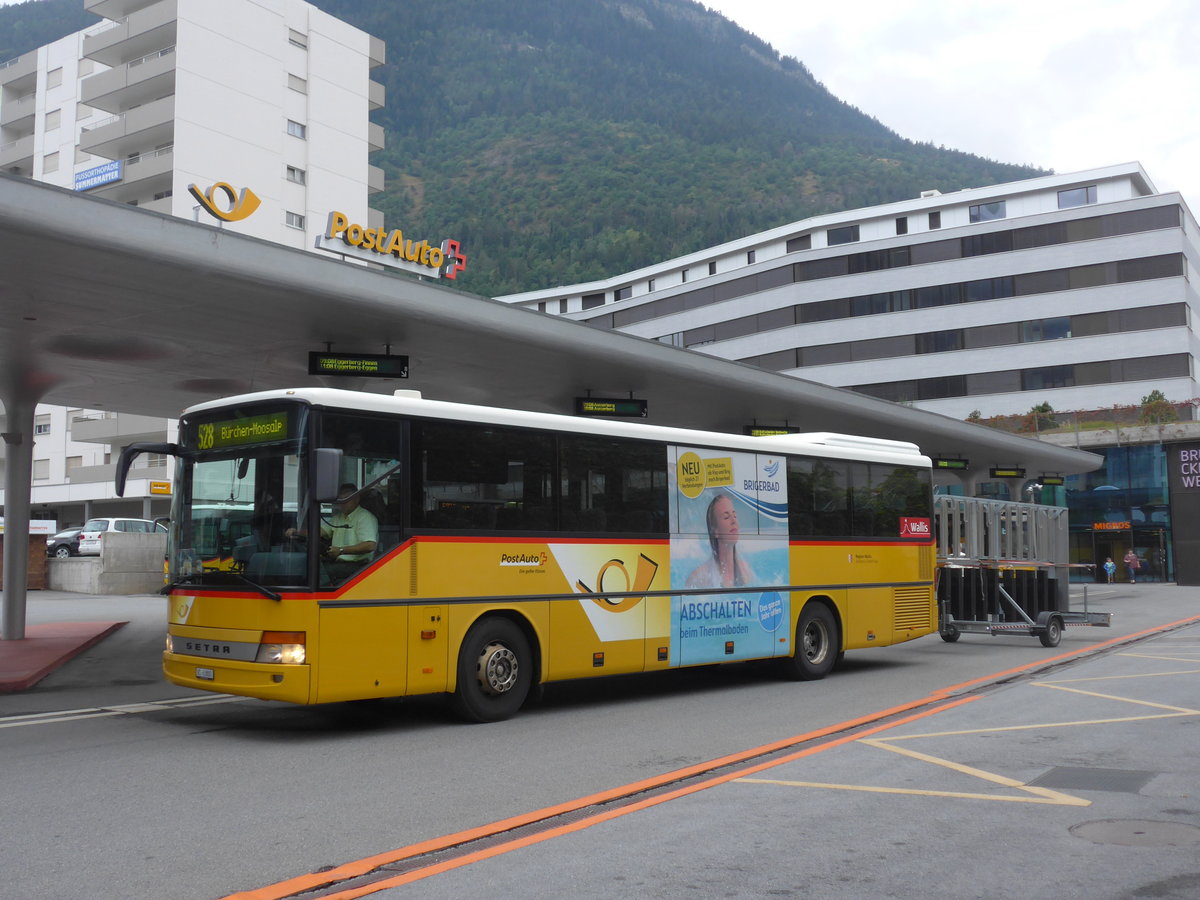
{"x":1062,"y":84}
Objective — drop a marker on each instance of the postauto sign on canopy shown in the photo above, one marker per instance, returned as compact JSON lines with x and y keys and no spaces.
{"x":390,"y":248}
{"x":378,"y":245}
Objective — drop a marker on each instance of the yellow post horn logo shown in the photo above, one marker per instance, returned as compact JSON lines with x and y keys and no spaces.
{"x":239,"y":206}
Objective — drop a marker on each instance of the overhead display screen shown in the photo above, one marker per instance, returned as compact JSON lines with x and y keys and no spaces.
{"x":357,"y":364}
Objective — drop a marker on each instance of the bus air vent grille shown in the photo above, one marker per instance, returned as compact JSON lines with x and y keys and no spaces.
{"x":913,"y":609}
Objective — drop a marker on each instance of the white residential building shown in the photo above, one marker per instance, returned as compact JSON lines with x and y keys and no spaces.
{"x":1070,"y":289}
{"x":161,"y":95}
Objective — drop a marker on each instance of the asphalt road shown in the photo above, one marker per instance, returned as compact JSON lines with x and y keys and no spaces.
{"x":116,"y":784}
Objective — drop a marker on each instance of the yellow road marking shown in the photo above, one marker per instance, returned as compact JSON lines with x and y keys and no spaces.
{"x":1031,"y":793}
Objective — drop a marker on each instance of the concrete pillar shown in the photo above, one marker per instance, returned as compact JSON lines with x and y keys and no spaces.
{"x":18,"y":477}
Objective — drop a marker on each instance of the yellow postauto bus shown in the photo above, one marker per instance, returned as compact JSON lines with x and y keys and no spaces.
{"x":395,"y":545}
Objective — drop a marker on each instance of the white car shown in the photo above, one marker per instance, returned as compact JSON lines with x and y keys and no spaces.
{"x":93,"y":529}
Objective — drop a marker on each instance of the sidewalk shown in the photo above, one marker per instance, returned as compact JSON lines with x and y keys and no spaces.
{"x":45,"y":648}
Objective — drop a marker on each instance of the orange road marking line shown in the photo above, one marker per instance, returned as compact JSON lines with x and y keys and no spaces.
{"x":356,"y":868}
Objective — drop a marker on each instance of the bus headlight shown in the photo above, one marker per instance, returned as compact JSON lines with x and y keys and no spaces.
{"x":170,"y":644}
{"x":282,"y":648}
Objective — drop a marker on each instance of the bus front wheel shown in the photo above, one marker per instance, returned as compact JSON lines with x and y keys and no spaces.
{"x":817,"y":644}
{"x":495,"y":671}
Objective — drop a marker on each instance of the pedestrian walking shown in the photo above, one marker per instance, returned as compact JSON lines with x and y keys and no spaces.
{"x":1110,"y":569}
{"x":1132,"y":563}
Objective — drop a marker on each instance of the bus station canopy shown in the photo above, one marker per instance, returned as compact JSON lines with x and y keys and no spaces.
{"x":105,"y":306}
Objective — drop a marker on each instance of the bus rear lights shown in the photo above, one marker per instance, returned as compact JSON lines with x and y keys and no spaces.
{"x":282,"y":647}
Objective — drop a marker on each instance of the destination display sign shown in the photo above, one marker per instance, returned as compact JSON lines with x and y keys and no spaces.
{"x":242,"y":432}
{"x":601,"y":406}
{"x":768,"y":430}
{"x":1011,"y":472}
{"x":358,"y":364}
{"x":943,"y":462}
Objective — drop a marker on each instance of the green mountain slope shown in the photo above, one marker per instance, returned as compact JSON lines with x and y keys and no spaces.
{"x":567,"y":141}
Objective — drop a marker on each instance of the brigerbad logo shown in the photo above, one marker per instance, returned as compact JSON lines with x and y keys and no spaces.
{"x":771,"y":468}
{"x":236,"y":207}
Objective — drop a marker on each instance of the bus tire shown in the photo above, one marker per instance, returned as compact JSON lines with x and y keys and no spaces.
{"x":495,"y":671}
{"x":818,"y":644}
{"x":950,"y":633}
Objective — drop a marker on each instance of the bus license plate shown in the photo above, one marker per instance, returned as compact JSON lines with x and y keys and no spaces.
{"x":206,"y":674}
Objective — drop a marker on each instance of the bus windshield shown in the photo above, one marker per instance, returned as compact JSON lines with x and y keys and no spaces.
{"x":241,"y":484}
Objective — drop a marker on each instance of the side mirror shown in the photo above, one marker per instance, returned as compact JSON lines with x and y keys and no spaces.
{"x":128,"y":454}
{"x":327,"y":470}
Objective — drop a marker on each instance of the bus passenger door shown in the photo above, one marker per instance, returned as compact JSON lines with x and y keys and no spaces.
{"x":428,"y":649}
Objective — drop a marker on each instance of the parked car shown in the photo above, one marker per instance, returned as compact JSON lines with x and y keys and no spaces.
{"x":64,"y":544}
{"x":93,"y":529}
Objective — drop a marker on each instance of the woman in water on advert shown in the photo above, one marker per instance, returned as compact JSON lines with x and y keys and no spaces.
{"x":726,"y":568}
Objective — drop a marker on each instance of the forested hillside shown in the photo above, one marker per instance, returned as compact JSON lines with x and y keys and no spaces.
{"x":566,"y":141}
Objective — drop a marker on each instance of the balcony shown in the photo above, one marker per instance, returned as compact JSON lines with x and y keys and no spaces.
{"x":20,"y":73}
{"x":16,"y":157}
{"x":377,"y":51}
{"x":116,"y":9}
{"x":133,"y":37}
{"x":142,"y":177}
{"x":127,"y":135}
{"x":119,"y":429}
{"x":136,"y":83}
{"x":375,"y":140}
{"x":376,"y":95}
{"x":374,"y":179}
{"x":16,"y":113}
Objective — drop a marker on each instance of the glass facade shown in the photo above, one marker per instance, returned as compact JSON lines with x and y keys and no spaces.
{"x":1124,"y":504}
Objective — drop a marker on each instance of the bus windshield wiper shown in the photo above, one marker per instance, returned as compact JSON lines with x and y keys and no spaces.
{"x":265,"y":591}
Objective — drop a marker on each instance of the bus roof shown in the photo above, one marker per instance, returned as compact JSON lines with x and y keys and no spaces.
{"x":411,"y":403}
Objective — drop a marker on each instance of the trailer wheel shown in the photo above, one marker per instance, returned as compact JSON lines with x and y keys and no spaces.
{"x":950,"y":633}
{"x":1050,"y":630}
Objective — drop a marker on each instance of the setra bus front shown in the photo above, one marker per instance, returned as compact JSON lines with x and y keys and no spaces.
{"x":241,"y":616}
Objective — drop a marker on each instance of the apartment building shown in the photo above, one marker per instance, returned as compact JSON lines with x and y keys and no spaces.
{"x":1069,"y":289}
{"x":163,"y":95}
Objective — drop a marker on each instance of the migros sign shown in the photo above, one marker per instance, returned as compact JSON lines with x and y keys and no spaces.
{"x":446,"y":260}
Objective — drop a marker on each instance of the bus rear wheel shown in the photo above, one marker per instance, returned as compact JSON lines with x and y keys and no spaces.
{"x":818,"y":644}
{"x":495,"y":671}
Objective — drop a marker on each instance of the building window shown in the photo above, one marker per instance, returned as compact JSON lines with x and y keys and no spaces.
{"x":295,"y":129}
{"x":935,"y":220}
{"x":712,"y":268}
{"x":902,"y":225}
{"x":163,"y":195}
{"x":50,"y":163}
{"x":294,"y":175}
{"x":987,"y":212}
{"x":298,"y":84}
{"x":591,"y":301}
{"x":803,"y":242}
{"x":847,"y":234}
{"x":41,"y":425}
{"x":623,"y":293}
{"x":54,"y":78}
{"x":650,"y":284}
{"x":749,"y":257}
{"x":683,"y":276}
{"x":74,"y":462}
{"x":1077,"y":197}
{"x":295,"y":220}
{"x":53,"y":119}
{"x":41,"y":470}
{"x":542,"y":306}
{"x":562,"y":305}
{"x":298,"y":39}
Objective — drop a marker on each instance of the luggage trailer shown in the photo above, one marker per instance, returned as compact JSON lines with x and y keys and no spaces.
{"x":1002,"y":569}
